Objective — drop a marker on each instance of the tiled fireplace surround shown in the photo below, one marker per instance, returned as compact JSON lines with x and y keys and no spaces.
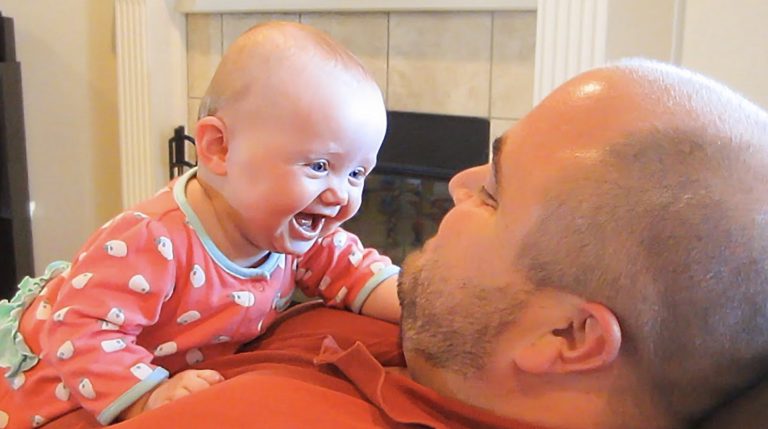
{"x":458,"y":63}
{"x":482,"y":58}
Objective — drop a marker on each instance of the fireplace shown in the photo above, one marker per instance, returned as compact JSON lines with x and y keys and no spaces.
{"x":406,"y":196}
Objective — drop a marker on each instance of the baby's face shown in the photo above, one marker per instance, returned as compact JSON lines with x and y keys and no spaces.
{"x":296,"y":169}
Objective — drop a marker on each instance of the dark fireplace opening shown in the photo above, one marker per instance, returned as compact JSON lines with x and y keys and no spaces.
{"x":406,"y":196}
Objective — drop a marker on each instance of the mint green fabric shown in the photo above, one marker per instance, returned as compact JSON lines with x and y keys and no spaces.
{"x":14,"y":352}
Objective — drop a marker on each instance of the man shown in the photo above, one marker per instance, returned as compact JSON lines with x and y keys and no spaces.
{"x":618,"y":276}
{"x":606,"y":270}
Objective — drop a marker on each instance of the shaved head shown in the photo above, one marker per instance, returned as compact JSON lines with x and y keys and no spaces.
{"x":668,"y":226}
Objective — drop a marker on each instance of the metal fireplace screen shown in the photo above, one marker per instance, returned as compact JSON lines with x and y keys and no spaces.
{"x":406,"y":196}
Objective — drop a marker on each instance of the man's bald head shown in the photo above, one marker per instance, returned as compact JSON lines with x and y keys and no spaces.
{"x":270,"y":57}
{"x":667,"y":225}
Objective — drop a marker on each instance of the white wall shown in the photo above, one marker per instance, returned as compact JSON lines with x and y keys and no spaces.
{"x":728,"y":40}
{"x":70,"y":90}
{"x":640,"y":28}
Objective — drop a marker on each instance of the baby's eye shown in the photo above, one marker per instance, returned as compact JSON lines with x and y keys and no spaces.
{"x":319,"y":166}
{"x":358,"y":173}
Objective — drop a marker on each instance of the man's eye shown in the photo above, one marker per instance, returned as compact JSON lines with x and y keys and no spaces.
{"x":319,"y":166}
{"x":487,"y":197}
{"x":358,"y":173}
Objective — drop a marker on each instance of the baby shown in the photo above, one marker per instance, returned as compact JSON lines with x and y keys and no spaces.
{"x":289,"y":129}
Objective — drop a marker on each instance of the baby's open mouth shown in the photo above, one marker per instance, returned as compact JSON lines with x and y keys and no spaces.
{"x":309,"y":224}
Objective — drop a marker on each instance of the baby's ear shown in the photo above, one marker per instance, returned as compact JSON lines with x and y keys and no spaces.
{"x":212,"y":145}
{"x":590,"y":341}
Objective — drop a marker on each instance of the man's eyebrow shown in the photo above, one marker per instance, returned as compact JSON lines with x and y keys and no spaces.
{"x":495,"y":152}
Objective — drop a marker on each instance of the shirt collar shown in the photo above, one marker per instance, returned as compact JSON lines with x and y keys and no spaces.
{"x":402,"y":399}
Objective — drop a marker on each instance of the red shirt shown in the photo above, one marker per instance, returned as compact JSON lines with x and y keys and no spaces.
{"x":318,"y":368}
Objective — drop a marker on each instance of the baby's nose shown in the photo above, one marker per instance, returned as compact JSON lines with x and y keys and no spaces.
{"x":335,"y":195}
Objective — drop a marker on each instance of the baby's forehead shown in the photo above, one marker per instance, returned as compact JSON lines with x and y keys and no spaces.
{"x":262,"y":68}
{"x":287,"y":45}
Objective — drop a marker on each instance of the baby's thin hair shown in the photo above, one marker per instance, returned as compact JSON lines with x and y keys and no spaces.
{"x":286,"y":39}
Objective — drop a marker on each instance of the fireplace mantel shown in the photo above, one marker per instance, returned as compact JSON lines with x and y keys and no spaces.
{"x":151,"y":59}
{"x":242,"y":6}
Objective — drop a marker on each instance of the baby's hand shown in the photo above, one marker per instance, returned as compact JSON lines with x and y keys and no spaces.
{"x":182,"y":384}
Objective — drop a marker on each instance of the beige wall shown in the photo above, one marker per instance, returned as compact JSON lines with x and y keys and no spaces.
{"x":640,"y":29}
{"x":70,"y":90}
{"x":729,"y":42}
{"x":726,"y":40}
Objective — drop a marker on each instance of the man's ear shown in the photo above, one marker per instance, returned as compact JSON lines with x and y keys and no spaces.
{"x":212,"y":145}
{"x":590,"y":341}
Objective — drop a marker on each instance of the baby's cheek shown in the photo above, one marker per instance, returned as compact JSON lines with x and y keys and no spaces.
{"x":355,"y":200}
{"x":344,"y":215}
{"x":330,"y":225}
{"x":350,"y":210}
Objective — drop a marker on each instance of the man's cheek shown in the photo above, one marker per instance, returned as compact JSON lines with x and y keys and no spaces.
{"x":446,"y":229}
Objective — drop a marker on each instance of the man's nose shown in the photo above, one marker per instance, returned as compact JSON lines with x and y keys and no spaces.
{"x":464,"y":184}
{"x":336,"y":194}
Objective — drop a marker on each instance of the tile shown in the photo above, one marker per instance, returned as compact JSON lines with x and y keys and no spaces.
{"x":364,"y":34}
{"x":514,"y":47}
{"x":193,"y":104}
{"x":440,"y":62}
{"x":498,"y":128}
{"x":203,"y":51}
{"x":236,"y":24}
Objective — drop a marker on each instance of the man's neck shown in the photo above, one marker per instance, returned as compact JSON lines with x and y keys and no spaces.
{"x":557,"y":401}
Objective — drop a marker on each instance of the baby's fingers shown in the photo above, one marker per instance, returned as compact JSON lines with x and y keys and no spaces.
{"x":209,"y":376}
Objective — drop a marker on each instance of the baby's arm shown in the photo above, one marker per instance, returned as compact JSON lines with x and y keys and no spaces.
{"x":382,"y":303}
{"x":343,"y":273}
{"x":178,"y":386}
{"x":114,"y":290}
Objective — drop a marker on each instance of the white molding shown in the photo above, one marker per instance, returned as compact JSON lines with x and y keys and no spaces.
{"x":571,"y":37}
{"x":241,"y":6}
{"x":678,"y":32}
{"x":150,"y":44}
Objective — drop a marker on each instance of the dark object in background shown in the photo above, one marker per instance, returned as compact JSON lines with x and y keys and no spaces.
{"x":407,"y":196}
{"x":430,"y":145}
{"x":177,"y":152}
{"x":15,"y":223}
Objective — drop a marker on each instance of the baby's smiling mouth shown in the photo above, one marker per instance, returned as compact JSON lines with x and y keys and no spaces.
{"x":309,"y":224}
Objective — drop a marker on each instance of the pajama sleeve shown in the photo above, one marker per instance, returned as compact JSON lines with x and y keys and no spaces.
{"x":340,"y":271}
{"x":114,"y":289}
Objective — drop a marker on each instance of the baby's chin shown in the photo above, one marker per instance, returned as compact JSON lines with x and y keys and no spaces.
{"x":295,"y":250}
